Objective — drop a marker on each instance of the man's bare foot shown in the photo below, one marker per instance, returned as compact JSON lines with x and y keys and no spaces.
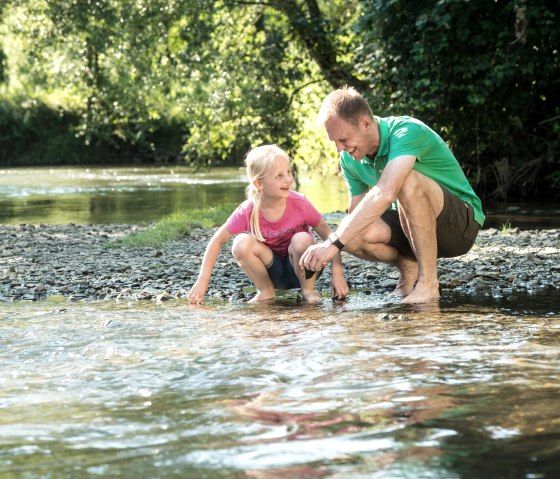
{"x":403,"y":290}
{"x":422,"y":293}
{"x":263,"y":298}
{"x":311,"y":296}
{"x":408,"y":269}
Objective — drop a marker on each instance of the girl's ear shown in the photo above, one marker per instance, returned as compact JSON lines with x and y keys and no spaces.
{"x":258,"y":184}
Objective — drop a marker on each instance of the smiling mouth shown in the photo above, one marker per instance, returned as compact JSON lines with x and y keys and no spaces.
{"x":353,"y":150}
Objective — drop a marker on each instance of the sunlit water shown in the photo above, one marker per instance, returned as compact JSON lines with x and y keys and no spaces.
{"x":363,"y":389}
{"x":355,"y":390}
{"x":133,"y":195}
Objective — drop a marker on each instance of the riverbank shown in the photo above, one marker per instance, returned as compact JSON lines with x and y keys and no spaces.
{"x":75,"y":262}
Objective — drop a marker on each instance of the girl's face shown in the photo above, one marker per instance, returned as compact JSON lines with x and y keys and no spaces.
{"x":277,"y":182}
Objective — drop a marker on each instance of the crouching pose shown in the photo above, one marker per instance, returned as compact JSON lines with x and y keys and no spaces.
{"x":273,"y":229}
{"x":397,"y":158}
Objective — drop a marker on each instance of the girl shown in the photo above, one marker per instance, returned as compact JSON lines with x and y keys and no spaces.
{"x":273,"y":231}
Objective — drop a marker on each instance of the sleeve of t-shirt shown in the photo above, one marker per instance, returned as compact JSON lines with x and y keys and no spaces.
{"x":353,"y":182}
{"x":408,"y":139}
{"x":312,"y":215}
{"x":238,"y":221}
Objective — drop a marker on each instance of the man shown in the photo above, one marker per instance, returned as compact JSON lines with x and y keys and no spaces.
{"x":397,"y":158}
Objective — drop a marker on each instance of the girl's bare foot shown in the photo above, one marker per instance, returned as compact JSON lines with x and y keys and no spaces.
{"x":263,"y":298}
{"x":311,"y":296}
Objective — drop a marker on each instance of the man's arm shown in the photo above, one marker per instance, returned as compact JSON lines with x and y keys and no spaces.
{"x":354,"y":200}
{"x":365,"y":210}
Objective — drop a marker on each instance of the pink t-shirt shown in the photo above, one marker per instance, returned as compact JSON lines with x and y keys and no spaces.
{"x":299,"y":215}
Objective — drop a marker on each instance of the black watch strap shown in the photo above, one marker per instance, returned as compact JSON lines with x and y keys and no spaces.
{"x":335,"y":241}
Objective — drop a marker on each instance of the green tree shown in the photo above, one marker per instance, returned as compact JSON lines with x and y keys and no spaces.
{"x":108,"y":63}
{"x":485,"y":74}
{"x":261,"y":60}
{"x":130,"y":80}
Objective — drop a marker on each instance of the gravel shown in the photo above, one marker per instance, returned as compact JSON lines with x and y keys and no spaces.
{"x":76,"y":263}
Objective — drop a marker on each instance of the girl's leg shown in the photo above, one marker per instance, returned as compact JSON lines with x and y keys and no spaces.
{"x":253,"y":257}
{"x":300,"y":242}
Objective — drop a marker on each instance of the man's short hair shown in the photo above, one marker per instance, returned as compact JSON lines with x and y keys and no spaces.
{"x":347,"y":104}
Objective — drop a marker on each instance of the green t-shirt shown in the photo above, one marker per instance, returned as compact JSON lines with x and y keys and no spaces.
{"x":403,"y":135}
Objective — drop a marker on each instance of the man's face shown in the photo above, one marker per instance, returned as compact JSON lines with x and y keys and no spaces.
{"x":357,"y":140}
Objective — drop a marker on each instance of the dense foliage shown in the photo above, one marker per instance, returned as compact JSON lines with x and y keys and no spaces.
{"x":202,"y":81}
{"x":484,"y":74}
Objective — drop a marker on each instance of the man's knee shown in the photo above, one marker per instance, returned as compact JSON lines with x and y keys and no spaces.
{"x":414,"y":185}
{"x":420,"y":191}
{"x":361,"y":248}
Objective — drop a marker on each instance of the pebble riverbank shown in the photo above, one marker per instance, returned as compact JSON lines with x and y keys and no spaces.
{"x":76,"y":262}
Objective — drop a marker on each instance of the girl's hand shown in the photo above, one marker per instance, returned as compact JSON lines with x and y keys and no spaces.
{"x":197,"y":292}
{"x":340,"y":287}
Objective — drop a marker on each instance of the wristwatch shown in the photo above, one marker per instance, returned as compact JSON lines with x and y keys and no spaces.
{"x":335,"y":241}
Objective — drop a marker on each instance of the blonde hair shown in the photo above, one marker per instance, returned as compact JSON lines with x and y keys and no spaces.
{"x":259,"y":162}
{"x":345,"y":103}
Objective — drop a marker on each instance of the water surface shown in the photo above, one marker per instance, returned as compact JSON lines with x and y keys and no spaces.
{"x":352,"y":390}
{"x":135,"y":195}
{"x":132,"y":195}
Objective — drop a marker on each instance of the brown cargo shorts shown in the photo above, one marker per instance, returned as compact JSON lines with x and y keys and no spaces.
{"x":456,"y":228}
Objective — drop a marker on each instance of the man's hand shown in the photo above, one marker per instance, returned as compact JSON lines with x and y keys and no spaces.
{"x":317,"y":256}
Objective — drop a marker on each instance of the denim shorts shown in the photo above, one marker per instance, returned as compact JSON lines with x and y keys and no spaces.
{"x":282,"y":273}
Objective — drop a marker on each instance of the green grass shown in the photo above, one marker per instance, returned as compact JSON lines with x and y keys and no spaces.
{"x":506,"y":228}
{"x":176,"y":225}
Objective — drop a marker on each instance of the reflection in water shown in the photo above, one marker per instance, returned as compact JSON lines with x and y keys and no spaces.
{"x":355,"y":389}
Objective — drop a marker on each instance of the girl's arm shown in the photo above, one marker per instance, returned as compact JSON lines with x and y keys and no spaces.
{"x":339,"y":285}
{"x":215,"y":245}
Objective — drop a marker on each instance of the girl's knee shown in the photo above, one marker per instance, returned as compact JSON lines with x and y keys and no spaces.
{"x":300,"y":242}
{"x":242,"y":244}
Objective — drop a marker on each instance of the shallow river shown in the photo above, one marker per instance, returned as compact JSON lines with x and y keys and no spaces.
{"x":361,"y":389}
{"x":133,"y":195}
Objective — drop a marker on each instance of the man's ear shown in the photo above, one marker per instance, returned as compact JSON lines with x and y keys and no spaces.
{"x":366,"y":121}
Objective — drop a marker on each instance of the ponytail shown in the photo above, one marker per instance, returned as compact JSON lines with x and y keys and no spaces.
{"x":254,"y":194}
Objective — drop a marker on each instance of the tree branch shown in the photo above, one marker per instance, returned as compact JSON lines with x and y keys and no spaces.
{"x":247,"y":2}
{"x":309,"y":28}
{"x":296,"y":91}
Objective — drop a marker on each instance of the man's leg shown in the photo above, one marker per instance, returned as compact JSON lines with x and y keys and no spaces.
{"x":420,"y":203}
{"x":371,"y":245}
